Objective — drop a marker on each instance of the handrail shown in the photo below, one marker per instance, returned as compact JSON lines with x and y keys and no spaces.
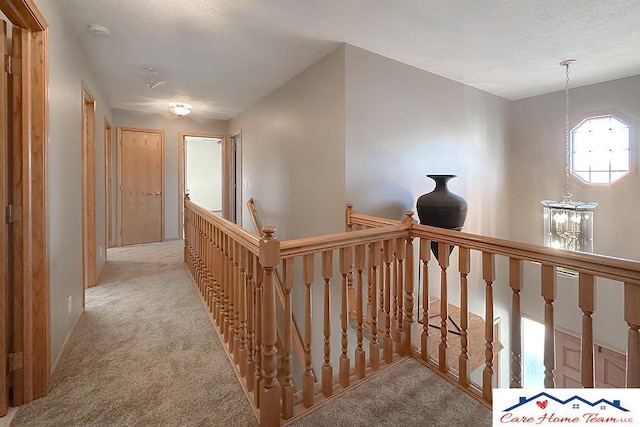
{"x":326,"y":242}
{"x":623,"y":270}
{"x":251,"y":207}
{"x":251,"y":242}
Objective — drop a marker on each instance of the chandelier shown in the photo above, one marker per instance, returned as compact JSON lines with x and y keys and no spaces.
{"x":568,"y":224}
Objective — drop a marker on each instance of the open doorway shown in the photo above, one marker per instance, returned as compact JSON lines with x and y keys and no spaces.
{"x":208,"y":166}
{"x":203,"y":172}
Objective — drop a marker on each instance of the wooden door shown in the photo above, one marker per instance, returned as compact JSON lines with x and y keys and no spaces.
{"x":610,"y":366}
{"x":568,"y":351}
{"x":4,"y":254}
{"x":24,"y":116}
{"x":141,"y":183}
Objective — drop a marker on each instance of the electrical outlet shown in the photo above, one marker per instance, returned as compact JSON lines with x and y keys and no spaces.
{"x":69,"y":304}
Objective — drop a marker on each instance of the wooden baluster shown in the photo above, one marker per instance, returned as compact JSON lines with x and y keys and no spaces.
{"x":251,"y":301}
{"x":345,"y":363}
{"x":359,"y":353}
{"x":327,"y":369}
{"x":237,"y":290}
{"x":586,"y":302}
{"x":548,"y":274}
{"x":515,"y":282}
{"x":287,"y":387}
{"x":270,"y":388}
{"x":409,"y":299}
{"x":387,"y":342}
{"x":381,"y":277}
{"x":309,"y":380}
{"x":400,"y":253}
{"x":374,"y":346}
{"x":196,"y":263}
{"x":242,"y":301}
{"x":425,"y":256}
{"x":225,"y":284}
{"x":218,"y":310}
{"x":632,"y":317}
{"x":394,"y":292}
{"x":205,"y":267}
{"x":231,"y":271}
{"x":443,"y":353}
{"x":489,"y":276}
{"x":210,"y":255}
{"x":464,"y":267}
{"x":258,"y":319}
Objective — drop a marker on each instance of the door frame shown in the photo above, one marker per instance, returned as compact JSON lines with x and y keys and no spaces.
{"x":119,"y":131}
{"x":108,"y":184}
{"x":234,"y":195}
{"x":88,"y":190}
{"x":34,"y":325}
{"x":182,"y":171}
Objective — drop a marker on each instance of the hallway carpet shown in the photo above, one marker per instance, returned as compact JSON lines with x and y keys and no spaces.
{"x":144,"y":354}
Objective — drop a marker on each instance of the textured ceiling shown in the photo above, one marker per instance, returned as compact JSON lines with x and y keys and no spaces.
{"x":221,"y":56}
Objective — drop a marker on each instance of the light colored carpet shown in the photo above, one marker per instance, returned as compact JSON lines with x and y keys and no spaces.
{"x":405,"y":394}
{"x":144,"y":354}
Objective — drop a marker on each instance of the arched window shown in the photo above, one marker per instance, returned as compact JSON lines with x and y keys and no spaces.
{"x":601,"y":150}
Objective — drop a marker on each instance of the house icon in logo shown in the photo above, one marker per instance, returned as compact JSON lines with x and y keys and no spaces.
{"x":602,"y":403}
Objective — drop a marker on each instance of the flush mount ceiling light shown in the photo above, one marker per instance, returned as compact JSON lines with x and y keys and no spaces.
{"x":180,"y":108}
{"x":568,"y":224}
{"x":99,"y":31}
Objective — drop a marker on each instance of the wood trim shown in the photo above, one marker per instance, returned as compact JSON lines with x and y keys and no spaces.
{"x":118,"y":184}
{"x":4,"y":254}
{"x":24,"y":14}
{"x":20,"y":286}
{"x":181,"y":172}
{"x":234,"y":203}
{"x":35,"y":381}
{"x":38,"y":117}
{"x":108,"y":187}
{"x":88,"y":139}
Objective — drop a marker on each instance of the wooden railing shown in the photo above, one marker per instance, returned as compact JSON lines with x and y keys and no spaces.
{"x":296,"y":336}
{"x":235,"y":273}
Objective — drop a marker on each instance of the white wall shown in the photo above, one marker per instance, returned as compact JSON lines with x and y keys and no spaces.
{"x":172,"y":126}
{"x":203,"y":172}
{"x":403,"y":123}
{"x":537,"y":157}
{"x":68,"y":68}
{"x":293,"y":152}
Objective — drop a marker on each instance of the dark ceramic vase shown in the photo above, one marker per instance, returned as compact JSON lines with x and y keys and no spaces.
{"x":442,"y":208}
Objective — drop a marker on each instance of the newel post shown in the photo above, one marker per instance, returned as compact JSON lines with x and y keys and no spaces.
{"x":185,"y":227}
{"x":269,"y":387}
{"x":409,"y":321}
